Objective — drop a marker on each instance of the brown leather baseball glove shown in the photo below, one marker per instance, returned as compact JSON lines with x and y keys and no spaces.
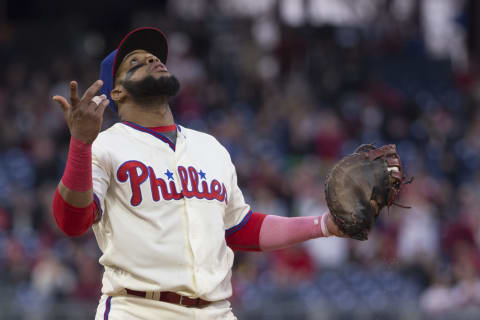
{"x":360,"y":185}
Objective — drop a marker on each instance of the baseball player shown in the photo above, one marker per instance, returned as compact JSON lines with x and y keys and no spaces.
{"x":162,"y":199}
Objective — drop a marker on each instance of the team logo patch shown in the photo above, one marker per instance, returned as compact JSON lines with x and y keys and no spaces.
{"x":193,"y":183}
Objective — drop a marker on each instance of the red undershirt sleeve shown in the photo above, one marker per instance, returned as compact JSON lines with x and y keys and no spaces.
{"x":72,"y":220}
{"x":247,"y":238}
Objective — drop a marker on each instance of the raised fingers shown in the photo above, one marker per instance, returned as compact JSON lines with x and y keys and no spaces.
{"x":90,"y":93}
{"x":100,"y":103}
{"x":98,"y":99}
{"x":102,"y":106}
{"x":74,"y":93}
{"x":62,"y":102}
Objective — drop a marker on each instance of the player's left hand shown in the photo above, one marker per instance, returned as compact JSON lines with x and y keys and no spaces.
{"x":333,"y":228}
{"x":360,"y":185}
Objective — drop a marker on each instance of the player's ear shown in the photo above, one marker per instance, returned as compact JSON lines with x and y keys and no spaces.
{"x":118,"y":93}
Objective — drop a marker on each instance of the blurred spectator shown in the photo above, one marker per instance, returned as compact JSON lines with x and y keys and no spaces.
{"x":291,"y":266}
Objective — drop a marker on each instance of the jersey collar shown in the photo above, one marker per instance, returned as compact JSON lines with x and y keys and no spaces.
{"x":151,"y":132}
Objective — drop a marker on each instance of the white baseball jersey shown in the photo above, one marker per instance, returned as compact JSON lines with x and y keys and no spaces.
{"x":166,"y":209}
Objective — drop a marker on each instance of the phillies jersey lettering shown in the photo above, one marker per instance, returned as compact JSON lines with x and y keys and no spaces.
{"x":166,"y":209}
{"x":137,"y":172}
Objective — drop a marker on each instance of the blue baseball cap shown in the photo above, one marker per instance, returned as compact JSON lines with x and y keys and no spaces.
{"x":149,"y":39}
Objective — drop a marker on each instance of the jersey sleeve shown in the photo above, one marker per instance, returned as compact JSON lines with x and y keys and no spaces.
{"x":101,"y":165}
{"x":237,"y":212}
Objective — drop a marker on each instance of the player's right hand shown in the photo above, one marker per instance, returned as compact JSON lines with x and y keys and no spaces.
{"x":84,"y":116}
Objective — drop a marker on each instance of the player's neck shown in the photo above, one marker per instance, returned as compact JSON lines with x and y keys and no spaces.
{"x":148,"y":117}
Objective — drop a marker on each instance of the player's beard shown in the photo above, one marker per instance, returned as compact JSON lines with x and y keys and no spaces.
{"x":150,"y":90}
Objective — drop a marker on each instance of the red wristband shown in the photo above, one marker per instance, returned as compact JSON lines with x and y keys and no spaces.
{"x":78,"y":171}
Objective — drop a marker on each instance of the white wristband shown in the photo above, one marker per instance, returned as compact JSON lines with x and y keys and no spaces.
{"x":323,"y":225}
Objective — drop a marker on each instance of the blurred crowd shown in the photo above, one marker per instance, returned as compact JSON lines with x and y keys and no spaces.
{"x":287,"y":102}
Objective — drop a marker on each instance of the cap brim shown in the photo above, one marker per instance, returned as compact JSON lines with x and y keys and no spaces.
{"x":149,"y":39}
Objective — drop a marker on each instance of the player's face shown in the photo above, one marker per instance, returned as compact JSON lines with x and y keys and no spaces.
{"x":145,"y":78}
{"x":139,"y":64}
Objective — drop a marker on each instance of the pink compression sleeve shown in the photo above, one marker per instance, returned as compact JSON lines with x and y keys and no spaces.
{"x":279,"y":232}
{"x":78,"y":171}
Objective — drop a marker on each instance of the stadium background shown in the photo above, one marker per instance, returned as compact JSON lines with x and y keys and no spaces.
{"x":288,"y":86}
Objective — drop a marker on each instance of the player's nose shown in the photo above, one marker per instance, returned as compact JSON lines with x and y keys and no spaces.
{"x":152,"y":59}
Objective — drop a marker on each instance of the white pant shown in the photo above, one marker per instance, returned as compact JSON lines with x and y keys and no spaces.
{"x":137,"y":308}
